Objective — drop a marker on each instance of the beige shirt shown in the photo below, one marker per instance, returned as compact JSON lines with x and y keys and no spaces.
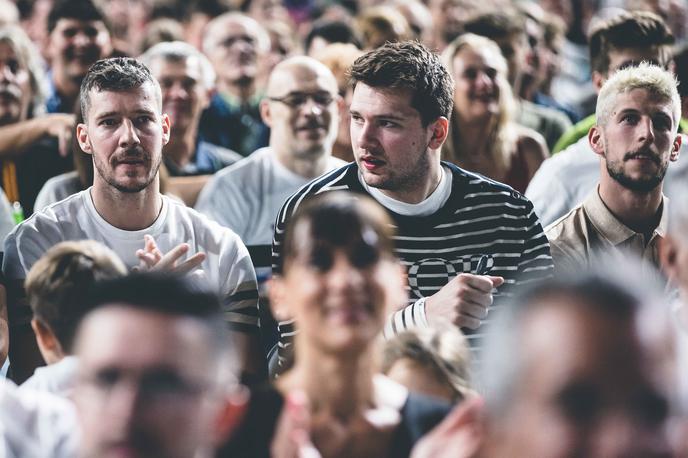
{"x":590,"y":232}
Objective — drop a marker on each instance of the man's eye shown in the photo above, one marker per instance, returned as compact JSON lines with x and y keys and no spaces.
{"x":144,"y":119}
{"x":629,"y":118}
{"x":107,"y":122}
{"x":662,"y":123}
{"x":385,"y":123}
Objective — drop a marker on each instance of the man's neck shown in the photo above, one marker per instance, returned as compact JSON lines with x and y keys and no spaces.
{"x":66,"y":88}
{"x":349,"y":388}
{"x":309,"y":167}
{"x":639,"y":211}
{"x":127,"y":211}
{"x":181,"y":147}
{"x":243,"y":92}
{"x":420,"y":189}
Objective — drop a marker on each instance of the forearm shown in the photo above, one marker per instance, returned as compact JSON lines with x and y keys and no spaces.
{"x":18,"y":137}
{"x":409,"y":317}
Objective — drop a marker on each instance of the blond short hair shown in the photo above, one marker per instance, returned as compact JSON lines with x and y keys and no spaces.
{"x":657,"y":81}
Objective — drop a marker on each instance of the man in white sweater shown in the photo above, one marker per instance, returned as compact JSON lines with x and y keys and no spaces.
{"x":125,"y":131}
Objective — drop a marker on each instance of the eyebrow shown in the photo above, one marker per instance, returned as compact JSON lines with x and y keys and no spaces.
{"x":109,"y":114}
{"x":383,"y":115}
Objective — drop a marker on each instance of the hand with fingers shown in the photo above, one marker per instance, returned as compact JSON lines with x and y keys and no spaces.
{"x":152,"y":259}
{"x":61,"y":126}
{"x":458,"y":436}
{"x":292,"y":434}
{"x":464,"y":301}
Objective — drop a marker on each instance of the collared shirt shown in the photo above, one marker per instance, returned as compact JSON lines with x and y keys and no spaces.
{"x":590,"y":233}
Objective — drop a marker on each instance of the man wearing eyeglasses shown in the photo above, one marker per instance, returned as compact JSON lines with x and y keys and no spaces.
{"x":301,"y":109}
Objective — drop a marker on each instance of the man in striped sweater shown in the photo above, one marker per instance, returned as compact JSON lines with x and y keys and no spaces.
{"x":462,"y":237}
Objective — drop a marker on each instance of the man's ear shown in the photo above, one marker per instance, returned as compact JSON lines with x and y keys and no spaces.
{"x":598,"y":80}
{"x":265,"y":112}
{"x":47,"y":342}
{"x":596,"y":140}
{"x":166,"y":128}
{"x":82,"y":138}
{"x":676,"y":149}
{"x":440,"y":130}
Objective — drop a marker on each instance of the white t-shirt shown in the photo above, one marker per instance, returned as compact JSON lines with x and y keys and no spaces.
{"x":247,"y":196}
{"x":227,"y":266}
{"x":57,"y":188}
{"x":430,"y":205}
{"x":58,"y":378}
{"x":34,"y":423}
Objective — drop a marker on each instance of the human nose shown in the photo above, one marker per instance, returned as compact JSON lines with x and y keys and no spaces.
{"x":363,"y":134}
{"x":343,"y":276}
{"x":311,"y":107}
{"x":647,"y":133}
{"x":128,"y":137}
{"x":483,"y":80}
{"x":177,"y":91}
{"x":81,"y":39}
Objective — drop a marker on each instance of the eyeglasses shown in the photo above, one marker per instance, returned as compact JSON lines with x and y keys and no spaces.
{"x":297,"y":99}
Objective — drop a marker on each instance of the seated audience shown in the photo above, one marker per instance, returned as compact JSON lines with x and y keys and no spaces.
{"x":507,"y":28}
{"x":301,"y":108}
{"x":339,"y":57}
{"x":576,"y":367}
{"x":28,"y":138}
{"x":187,"y":79}
{"x":56,"y":287}
{"x":236,"y":45}
{"x":565,"y":179}
{"x":124,"y":130}
{"x":636,"y":138}
{"x":465,"y":240}
{"x":431,"y":361}
{"x":156,"y":374}
{"x":340,"y":281}
{"x":483,"y":137}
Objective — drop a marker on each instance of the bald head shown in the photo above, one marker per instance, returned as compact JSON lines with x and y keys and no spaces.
{"x":296,"y":68}
{"x":301,"y":108}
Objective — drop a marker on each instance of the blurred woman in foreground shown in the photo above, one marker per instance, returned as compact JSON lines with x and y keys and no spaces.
{"x":340,"y":281}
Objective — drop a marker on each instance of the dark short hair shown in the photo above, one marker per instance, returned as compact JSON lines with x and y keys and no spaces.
{"x":81,"y":10}
{"x":332,"y":32}
{"x":408,"y":65}
{"x":340,"y":220}
{"x":114,"y":74}
{"x":496,"y":25}
{"x":639,"y":29}
{"x":167,"y":294}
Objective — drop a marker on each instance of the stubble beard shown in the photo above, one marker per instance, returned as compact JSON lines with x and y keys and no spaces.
{"x":127,"y":189}
{"x":641,"y":185}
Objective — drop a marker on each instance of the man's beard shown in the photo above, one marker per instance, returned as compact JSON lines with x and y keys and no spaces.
{"x":642,"y":185}
{"x":130,"y":189}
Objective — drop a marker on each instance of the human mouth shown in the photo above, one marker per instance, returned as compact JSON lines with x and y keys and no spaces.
{"x":642,"y":156}
{"x":371,"y":163}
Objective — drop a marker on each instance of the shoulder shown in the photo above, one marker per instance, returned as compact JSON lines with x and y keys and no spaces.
{"x":341,"y":178}
{"x":531,"y":142}
{"x":473,"y":186}
{"x":568,"y":232}
{"x":223,"y":155}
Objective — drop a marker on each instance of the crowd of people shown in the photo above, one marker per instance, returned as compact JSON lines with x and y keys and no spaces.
{"x":343,"y":229}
